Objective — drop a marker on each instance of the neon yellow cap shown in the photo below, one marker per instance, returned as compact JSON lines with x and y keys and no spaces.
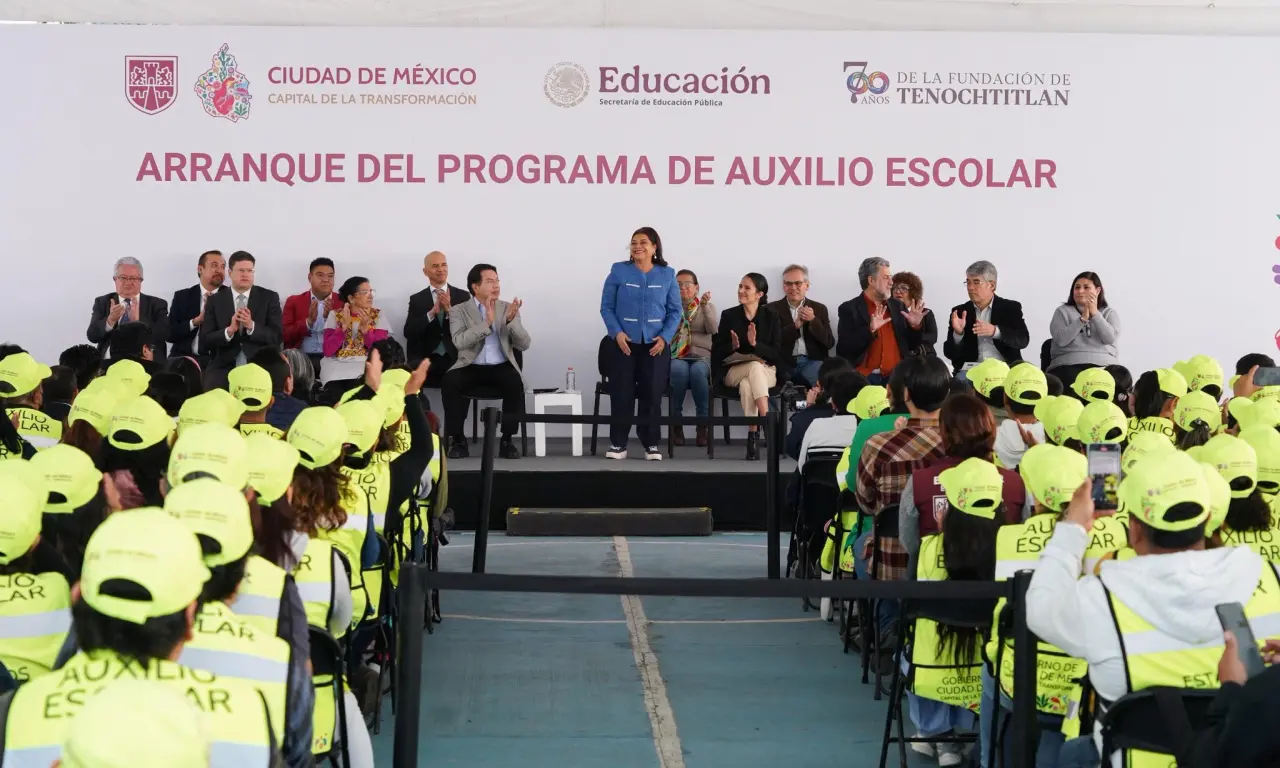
{"x":319,"y":434}
{"x":149,"y":548}
{"x":251,"y":385}
{"x":139,"y":424}
{"x":1157,"y":484}
{"x":1219,"y":498}
{"x":94,"y":407}
{"x":219,"y":516}
{"x":20,"y":374}
{"x":1060,"y":416}
{"x":20,"y":523}
{"x":271,"y":466}
{"x":71,"y":477}
{"x":1144,"y":444}
{"x":364,"y":423}
{"x":217,"y":406}
{"x":1266,"y":446}
{"x":1171,"y":382}
{"x":1200,"y":371}
{"x":1197,"y":406}
{"x":974,"y":487}
{"x":871,"y":401}
{"x":1053,"y":473}
{"x":1102,"y":421}
{"x":1255,"y":413}
{"x":131,"y":375}
{"x":390,"y":399}
{"x":209,"y":450}
{"x":1095,"y":384}
{"x":137,"y":724}
{"x":1026,"y":384}
{"x":987,"y":375}
{"x":1236,"y":461}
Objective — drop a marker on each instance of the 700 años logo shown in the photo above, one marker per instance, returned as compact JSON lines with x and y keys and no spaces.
{"x":871,"y":86}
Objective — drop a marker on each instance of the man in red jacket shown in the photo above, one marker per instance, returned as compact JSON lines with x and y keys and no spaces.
{"x":305,"y":313}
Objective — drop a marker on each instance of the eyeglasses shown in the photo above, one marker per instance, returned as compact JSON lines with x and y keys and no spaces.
{"x":974,"y":282}
{"x":370,"y":292}
{"x":126,"y":279}
{"x":686,"y":283}
{"x":792,"y":283}
{"x":901,"y":288}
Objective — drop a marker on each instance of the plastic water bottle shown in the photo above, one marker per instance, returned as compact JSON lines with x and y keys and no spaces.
{"x":570,"y":381}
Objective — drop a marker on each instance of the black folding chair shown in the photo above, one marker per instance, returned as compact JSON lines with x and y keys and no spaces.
{"x":1162,"y":720}
{"x":967,"y":614}
{"x":327,"y":677}
{"x":816,"y":500}
{"x":476,"y":394}
{"x":886,"y":525}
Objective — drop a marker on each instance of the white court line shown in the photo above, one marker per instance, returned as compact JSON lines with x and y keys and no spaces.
{"x":461,"y":545}
{"x":666,"y":740}
{"x":710,"y":622}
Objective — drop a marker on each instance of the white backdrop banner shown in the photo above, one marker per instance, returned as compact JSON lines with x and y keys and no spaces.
{"x":1147,"y":159}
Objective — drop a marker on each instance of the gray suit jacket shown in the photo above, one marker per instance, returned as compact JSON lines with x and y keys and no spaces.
{"x":469,"y":332}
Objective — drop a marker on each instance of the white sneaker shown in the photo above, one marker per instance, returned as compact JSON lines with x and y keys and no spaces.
{"x":615,"y":452}
{"x":825,"y":608}
{"x":950,"y":755}
{"x":652,"y":454}
{"x":923,"y":747}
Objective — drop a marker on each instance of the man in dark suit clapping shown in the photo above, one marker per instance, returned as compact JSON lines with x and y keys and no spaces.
{"x":186,"y":310}
{"x":239,"y":322}
{"x":876,"y":331}
{"x":426,"y":327}
{"x":986,"y":325}
{"x":127,"y":304}
{"x":806,"y":328}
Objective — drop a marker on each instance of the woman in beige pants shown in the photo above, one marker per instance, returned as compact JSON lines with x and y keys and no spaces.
{"x":746,"y":350}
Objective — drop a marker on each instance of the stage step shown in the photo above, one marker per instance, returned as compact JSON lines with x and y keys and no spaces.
{"x":551,"y":521}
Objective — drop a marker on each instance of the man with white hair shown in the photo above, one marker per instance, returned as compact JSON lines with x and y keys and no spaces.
{"x":986,"y":325}
{"x":128,"y":304}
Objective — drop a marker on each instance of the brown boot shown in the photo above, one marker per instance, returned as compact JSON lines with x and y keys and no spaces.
{"x":677,"y":436}
{"x":704,"y":434}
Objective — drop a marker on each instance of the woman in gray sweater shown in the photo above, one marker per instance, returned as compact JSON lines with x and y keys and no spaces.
{"x":1085,"y":331}
{"x":691,"y":354}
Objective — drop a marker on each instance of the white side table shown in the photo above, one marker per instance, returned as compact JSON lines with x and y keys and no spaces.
{"x":544,"y":400}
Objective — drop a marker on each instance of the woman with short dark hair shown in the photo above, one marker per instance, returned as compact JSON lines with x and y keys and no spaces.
{"x":350,"y":331}
{"x":1084,"y":331}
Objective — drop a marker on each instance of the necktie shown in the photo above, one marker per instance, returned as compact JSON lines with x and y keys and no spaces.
{"x":128,"y":311}
{"x":241,"y":301}
{"x":440,"y":317}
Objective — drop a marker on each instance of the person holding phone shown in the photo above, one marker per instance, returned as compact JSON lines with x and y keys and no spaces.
{"x":1147,"y":621}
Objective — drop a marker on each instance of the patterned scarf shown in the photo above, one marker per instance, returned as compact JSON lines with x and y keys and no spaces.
{"x":684,"y":336}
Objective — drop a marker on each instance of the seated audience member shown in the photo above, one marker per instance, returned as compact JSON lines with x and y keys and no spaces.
{"x":186,"y":310}
{"x":134,"y":342}
{"x":875,"y":331}
{"x":968,"y":431}
{"x":1154,"y":398}
{"x":1124,"y":387}
{"x":306,"y":314}
{"x":965,"y":541}
{"x":806,"y":328}
{"x":986,"y":325}
{"x":1060,"y":415}
{"x":136,"y":451}
{"x":1238,"y":730}
{"x":1110,"y":621}
{"x":1196,"y":418}
{"x":190,"y":371}
{"x":85,"y":360}
{"x":1249,"y":511}
{"x":1242,"y":382}
{"x":1024,"y":389}
{"x":238,"y":322}
{"x":883,"y":421}
{"x":836,"y":431}
{"x":641,"y":309}
{"x":691,"y":355}
{"x":252,"y":386}
{"x":1203,"y":374}
{"x":487,"y":332}
{"x":285,"y":404}
{"x":889,"y":459}
{"x":349,"y":331}
{"x":1085,"y":332}
{"x":169,"y":390}
{"x":127,"y":305}
{"x":909,"y":289}
{"x":21,"y":396}
{"x":89,"y":420}
{"x":745,"y":351}
{"x":59,"y":391}
{"x":818,"y":404}
{"x":303,"y":374}
{"x":427,"y":333}
{"x":1094,"y":384}
{"x":77,"y":503}
{"x":137,"y":723}
{"x":987,"y":380}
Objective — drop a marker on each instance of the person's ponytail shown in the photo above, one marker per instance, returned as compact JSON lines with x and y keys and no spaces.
{"x":1199,"y":434}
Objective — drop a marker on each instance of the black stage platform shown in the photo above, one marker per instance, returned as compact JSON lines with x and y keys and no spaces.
{"x":732,"y":487}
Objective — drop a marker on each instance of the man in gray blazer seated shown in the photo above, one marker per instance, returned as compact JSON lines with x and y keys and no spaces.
{"x":487,"y":333}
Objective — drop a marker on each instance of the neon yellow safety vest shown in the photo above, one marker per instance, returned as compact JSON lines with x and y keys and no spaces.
{"x":264,"y":428}
{"x":1265,"y":543}
{"x":324,"y":718}
{"x":38,"y":428}
{"x":315,"y":579}
{"x":223,"y":644}
{"x":261,"y":592}
{"x":350,"y":537}
{"x":931,"y":676}
{"x":1107,"y":535}
{"x":35,"y":616}
{"x":41,"y":713}
{"x":842,"y":469}
{"x":1153,"y":424}
{"x":375,"y":481}
{"x":1018,"y":548}
{"x":418,"y":516}
{"x":1154,"y":658}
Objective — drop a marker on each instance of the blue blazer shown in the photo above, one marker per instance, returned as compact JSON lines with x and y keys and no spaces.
{"x":645,"y":306}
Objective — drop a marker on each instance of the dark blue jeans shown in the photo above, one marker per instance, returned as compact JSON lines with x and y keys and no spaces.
{"x":636,"y":384}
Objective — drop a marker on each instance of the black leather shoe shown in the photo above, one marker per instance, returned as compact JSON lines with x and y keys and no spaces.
{"x":458,"y":448}
{"x":507,"y":449}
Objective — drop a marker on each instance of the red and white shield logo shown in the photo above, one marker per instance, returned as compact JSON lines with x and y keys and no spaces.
{"x":151,"y":82}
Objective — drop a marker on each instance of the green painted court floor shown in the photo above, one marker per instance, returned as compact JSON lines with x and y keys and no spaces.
{"x":587,"y":680}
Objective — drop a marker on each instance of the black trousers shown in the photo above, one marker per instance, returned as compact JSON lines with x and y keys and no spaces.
{"x":503,"y":378}
{"x":636,"y":384}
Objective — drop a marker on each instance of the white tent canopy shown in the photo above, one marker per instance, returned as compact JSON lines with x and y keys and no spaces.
{"x":1223,"y":17}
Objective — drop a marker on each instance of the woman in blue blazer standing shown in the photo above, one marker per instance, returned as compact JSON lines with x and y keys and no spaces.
{"x":641,"y":308}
